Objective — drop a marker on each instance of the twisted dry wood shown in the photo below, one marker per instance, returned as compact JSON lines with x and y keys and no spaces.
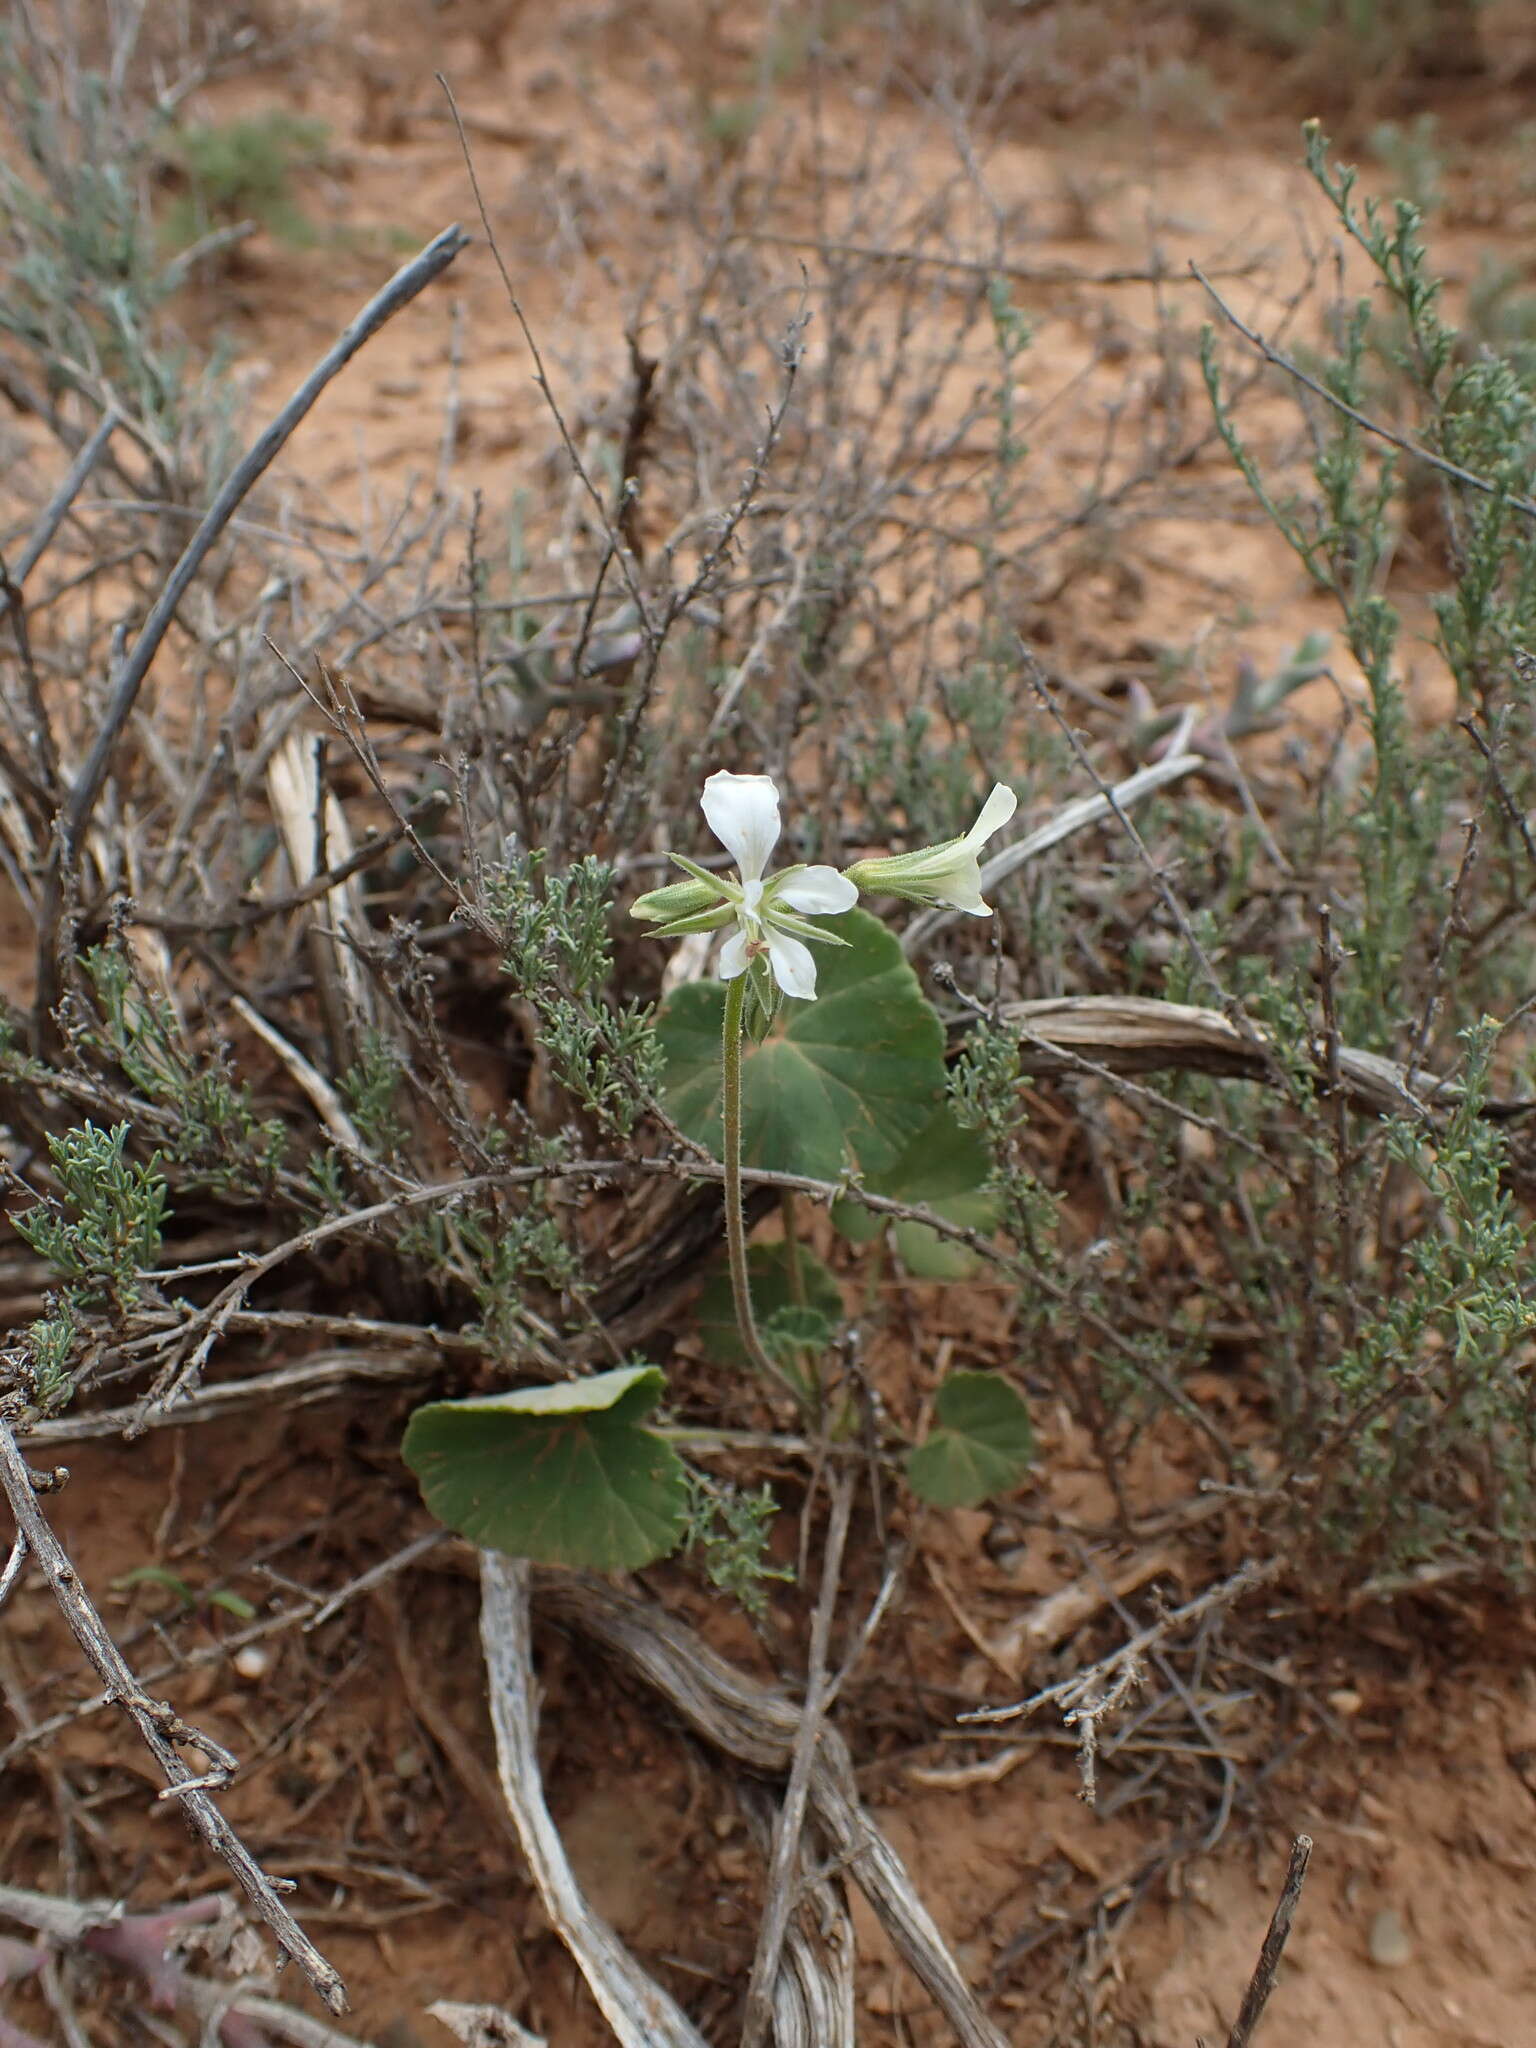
{"x":1139,"y":1035}
{"x":158,"y":1727}
{"x":757,"y":1726}
{"x":637,"y":2009}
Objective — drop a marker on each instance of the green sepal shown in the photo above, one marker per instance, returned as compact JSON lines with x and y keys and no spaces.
{"x":677,"y":900}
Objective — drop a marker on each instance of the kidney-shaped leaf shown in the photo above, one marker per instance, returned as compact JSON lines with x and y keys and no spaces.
{"x":776,"y":1304}
{"x":854,"y":1075}
{"x":981,"y":1444}
{"x":945,"y":1169}
{"x":562,"y":1474}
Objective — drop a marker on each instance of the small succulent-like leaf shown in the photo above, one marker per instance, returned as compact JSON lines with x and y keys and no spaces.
{"x":982,"y":1442}
{"x":563,"y":1474}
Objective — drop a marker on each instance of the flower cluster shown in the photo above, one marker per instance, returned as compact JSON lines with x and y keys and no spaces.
{"x":771,"y":914}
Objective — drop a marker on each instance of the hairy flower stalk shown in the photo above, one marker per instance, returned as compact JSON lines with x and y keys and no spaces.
{"x":948,"y":873}
{"x":735,"y":1214}
{"x":766,"y":950}
{"x":771,"y":919}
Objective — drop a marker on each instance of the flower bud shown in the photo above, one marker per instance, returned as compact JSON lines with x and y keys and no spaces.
{"x":948,"y":873}
{"x":674,"y":900}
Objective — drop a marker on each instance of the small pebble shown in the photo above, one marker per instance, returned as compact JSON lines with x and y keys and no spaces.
{"x":1389,"y":1943}
{"x":253,"y":1662}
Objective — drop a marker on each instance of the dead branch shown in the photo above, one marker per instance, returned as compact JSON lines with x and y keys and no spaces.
{"x":757,"y":1726}
{"x":75,"y":813}
{"x":789,"y":1823}
{"x":640,"y":2013}
{"x":1262,"y":1982}
{"x":813,"y":1991}
{"x":974,"y":267}
{"x":1083,"y":1695}
{"x":316,"y":1378}
{"x":98,"y":1924}
{"x":161,"y":1729}
{"x":1139,"y":1035}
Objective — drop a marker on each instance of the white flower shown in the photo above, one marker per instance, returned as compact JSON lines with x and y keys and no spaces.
{"x":743,"y":813}
{"x":948,"y":873}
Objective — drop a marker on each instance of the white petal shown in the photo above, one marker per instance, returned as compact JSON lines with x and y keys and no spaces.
{"x":733,"y":955}
{"x":960,"y":888}
{"x":743,"y":813}
{"x":821,"y":892}
{"x":794,"y":965}
{"x":995,"y":813}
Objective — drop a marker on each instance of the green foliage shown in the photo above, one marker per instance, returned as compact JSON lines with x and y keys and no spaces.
{"x":85,"y":287}
{"x":213,"y":1129}
{"x":50,"y":1345}
{"x":173,"y":1583}
{"x":562,"y":1474}
{"x":981,"y":1444}
{"x":1385,"y":1261}
{"x":555,"y":946}
{"x":946,"y":1168}
{"x":847,"y":1080}
{"x":798,"y":1305}
{"x":105,"y":1230}
{"x":371,"y":1089}
{"x":1411,"y":154}
{"x":728,"y":1530}
{"x":1442,"y":1361}
{"x":500,"y":1255}
{"x":245,"y":170}
{"x":1365,"y":36}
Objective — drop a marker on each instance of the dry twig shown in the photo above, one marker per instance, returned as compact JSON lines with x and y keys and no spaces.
{"x":1262,"y":1983}
{"x":757,"y":1726}
{"x":640,"y":2013}
{"x":75,"y":812}
{"x":789,"y":1823}
{"x":160,"y":1728}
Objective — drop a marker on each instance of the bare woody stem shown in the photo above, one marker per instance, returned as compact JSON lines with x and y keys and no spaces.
{"x":735,"y":1218}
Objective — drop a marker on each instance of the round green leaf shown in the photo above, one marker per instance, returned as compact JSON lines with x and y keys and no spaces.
{"x":560,"y":1473}
{"x":982,"y":1442}
{"x":853,"y":1076}
{"x":945,"y":1169}
{"x":773,"y":1304}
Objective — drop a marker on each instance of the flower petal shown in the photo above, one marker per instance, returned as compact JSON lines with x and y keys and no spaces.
{"x":743,"y":813}
{"x":823,"y":892}
{"x":733,"y":955}
{"x":995,"y":813}
{"x":960,"y":888}
{"x":794,"y":965}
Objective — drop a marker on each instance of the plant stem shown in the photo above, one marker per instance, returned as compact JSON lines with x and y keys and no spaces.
{"x":792,"y":1248}
{"x":735,"y":1219}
